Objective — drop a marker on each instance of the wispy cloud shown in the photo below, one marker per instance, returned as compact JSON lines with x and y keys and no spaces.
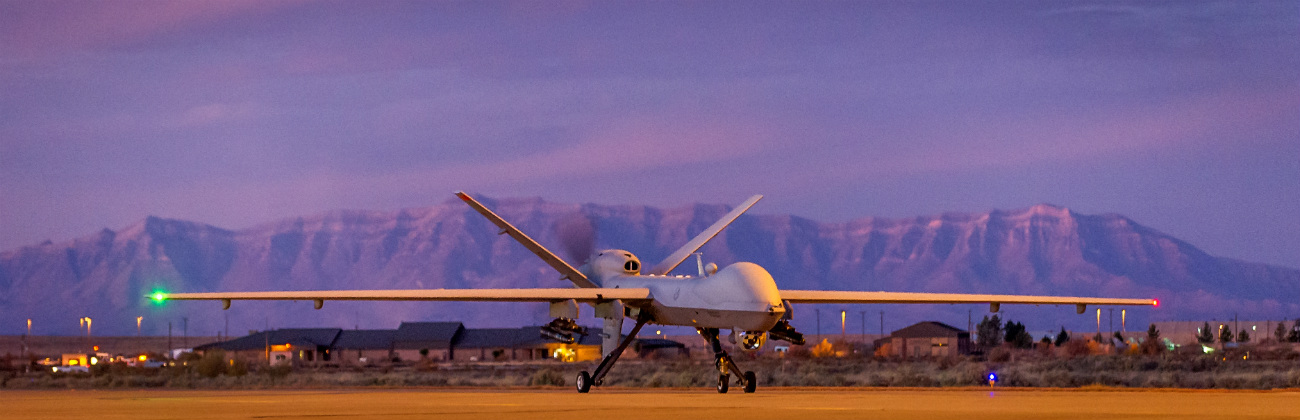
{"x":33,"y":30}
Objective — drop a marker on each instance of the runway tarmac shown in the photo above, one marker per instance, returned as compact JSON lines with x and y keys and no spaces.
{"x":771,"y":403}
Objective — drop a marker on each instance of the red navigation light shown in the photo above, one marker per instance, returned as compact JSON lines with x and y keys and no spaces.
{"x":1155,"y":302}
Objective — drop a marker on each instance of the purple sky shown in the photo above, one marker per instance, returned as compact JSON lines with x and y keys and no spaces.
{"x":1182,"y":115}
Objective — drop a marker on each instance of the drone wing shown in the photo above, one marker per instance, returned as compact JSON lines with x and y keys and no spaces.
{"x":827,"y":296}
{"x":671,"y":262}
{"x":592,"y":295}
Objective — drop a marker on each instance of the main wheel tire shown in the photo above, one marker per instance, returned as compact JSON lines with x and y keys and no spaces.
{"x":751,"y":383}
{"x":584,"y":382}
{"x":724,"y":382}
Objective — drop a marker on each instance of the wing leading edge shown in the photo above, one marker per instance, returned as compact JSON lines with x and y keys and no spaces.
{"x":827,"y":296}
{"x":469,"y":295}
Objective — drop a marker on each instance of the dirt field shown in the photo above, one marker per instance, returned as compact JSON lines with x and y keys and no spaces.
{"x":822,"y":403}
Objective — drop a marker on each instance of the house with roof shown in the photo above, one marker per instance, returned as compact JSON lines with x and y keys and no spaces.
{"x":927,"y":339}
{"x":415,"y":341}
{"x":659,"y":348}
{"x":364,"y":347}
{"x":522,"y":344}
{"x":310,"y":346}
{"x":421,"y":341}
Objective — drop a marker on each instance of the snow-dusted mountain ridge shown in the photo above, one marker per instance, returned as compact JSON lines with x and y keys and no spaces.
{"x":1043,"y":249}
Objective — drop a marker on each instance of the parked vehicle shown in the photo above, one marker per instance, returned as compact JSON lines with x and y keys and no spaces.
{"x":71,"y":369}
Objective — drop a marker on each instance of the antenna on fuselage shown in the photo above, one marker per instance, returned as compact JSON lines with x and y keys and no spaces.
{"x":668,"y":264}
{"x":699,"y":262}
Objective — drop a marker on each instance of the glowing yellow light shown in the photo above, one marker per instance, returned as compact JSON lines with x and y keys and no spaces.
{"x":143,"y":358}
{"x":94,"y":360}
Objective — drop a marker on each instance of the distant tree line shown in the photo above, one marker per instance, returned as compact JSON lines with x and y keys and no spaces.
{"x":1282,"y":334}
{"x":993,"y":332}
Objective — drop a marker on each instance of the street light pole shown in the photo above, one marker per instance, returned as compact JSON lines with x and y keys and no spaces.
{"x":137,"y":325}
{"x":843,"y":333}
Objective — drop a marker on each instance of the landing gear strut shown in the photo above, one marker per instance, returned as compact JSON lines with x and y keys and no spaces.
{"x":725,"y":365}
{"x":584,"y":381}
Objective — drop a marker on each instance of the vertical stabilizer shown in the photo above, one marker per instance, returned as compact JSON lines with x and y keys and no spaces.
{"x":668,"y":264}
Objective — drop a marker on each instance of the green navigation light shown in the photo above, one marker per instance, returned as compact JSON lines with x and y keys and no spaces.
{"x":159,"y":297}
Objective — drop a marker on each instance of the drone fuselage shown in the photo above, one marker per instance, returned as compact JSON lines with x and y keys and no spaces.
{"x":742,"y":296}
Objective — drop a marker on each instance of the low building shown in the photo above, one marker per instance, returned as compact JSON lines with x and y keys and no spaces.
{"x":416,"y":341}
{"x":1185,"y":332}
{"x":522,"y":344}
{"x":422,"y":342}
{"x":927,"y":339}
{"x":297,"y":346}
{"x":365,"y":347}
{"x":500,"y":344}
{"x":659,"y":348}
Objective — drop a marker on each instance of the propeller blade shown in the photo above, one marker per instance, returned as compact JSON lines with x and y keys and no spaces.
{"x":577,"y":235}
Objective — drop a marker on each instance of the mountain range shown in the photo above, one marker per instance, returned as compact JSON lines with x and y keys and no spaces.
{"x":1043,"y":249}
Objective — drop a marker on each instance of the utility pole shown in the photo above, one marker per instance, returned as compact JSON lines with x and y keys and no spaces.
{"x":1110,"y":322}
{"x":864,"y":324}
{"x":1123,"y":320}
{"x":169,"y":340}
{"x":819,"y":321}
{"x":882,"y":323}
{"x":185,"y":332}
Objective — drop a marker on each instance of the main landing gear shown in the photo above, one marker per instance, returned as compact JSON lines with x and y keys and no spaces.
{"x":584,"y":381}
{"x":725,"y":365}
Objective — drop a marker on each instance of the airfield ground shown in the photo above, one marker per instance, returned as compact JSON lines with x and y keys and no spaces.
{"x":786,"y":403}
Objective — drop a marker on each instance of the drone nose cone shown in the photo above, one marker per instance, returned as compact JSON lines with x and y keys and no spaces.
{"x":745,"y":284}
{"x":759,"y":281}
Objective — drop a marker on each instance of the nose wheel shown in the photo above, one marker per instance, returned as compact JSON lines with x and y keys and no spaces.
{"x":726,"y":365}
{"x":584,"y":382}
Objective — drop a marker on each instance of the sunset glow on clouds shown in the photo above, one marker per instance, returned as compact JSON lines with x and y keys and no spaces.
{"x":1181,"y":115}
